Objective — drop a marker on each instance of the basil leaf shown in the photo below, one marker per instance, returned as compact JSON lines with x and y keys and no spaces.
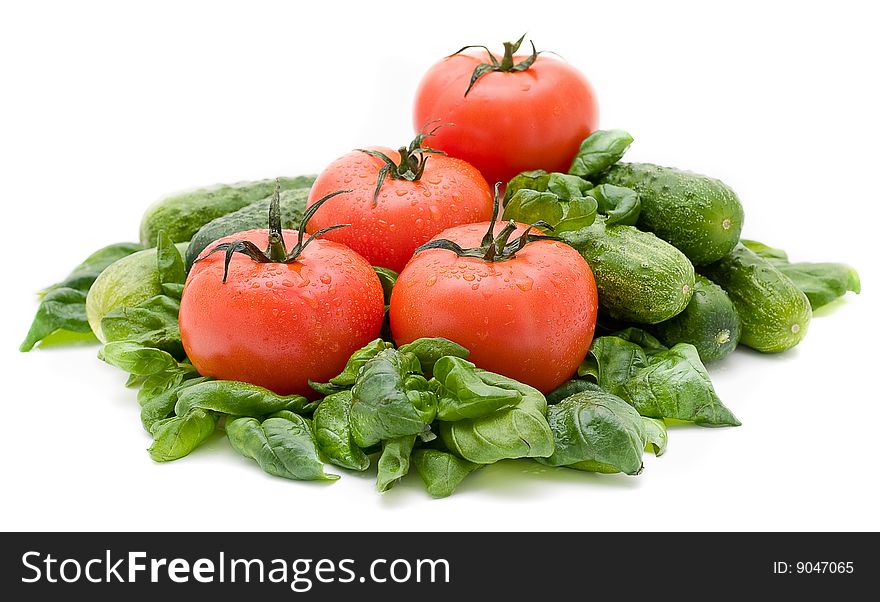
{"x":599,"y":428}
{"x":160,"y":405}
{"x":172,"y":289}
{"x":528,"y":180}
{"x":620,"y":205}
{"x":520,"y":431}
{"x":176,"y":437}
{"x":133,"y":381}
{"x":394,"y":462}
{"x":332,"y":422}
{"x":152,"y":323}
{"x":774,"y":256}
{"x":463,"y":394}
{"x":169,"y":261}
{"x":648,"y":342}
{"x":345,"y":379}
{"x":822,"y":283}
{"x":137,"y":359}
{"x":565,"y":186}
{"x":60,"y":309}
{"x":63,"y":305}
{"x":85,"y":274}
{"x":282,"y":445}
{"x":656,"y":434}
{"x":390,"y":400}
{"x":440,"y":471}
{"x":569,"y":388}
{"x":530,"y":206}
{"x":599,"y":151}
{"x":562,"y":200}
{"x":387,"y":278}
{"x":612,"y":361}
{"x":325,"y":389}
{"x":429,"y":350}
{"x":360,"y":357}
{"x":156,"y":384}
{"x":662,"y":383}
{"x":239,"y":399}
{"x":675,"y":384}
{"x":568,"y":187}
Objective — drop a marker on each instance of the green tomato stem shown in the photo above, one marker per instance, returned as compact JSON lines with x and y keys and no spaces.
{"x":277,"y":250}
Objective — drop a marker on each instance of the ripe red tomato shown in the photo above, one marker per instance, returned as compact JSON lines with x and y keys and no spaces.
{"x":278,"y":325}
{"x":508,"y":122}
{"x":408,"y":211}
{"x":530,"y":317}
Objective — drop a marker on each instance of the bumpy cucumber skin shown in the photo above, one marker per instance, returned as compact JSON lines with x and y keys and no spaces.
{"x":181,"y":215}
{"x":709,"y":322}
{"x":699,"y":215}
{"x":774,"y":313}
{"x":255,"y":215}
{"x":640,"y":278}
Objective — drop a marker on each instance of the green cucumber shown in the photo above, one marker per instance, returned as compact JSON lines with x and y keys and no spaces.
{"x":640,"y":278}
{"x":709,"y":323}
{"x":255,"y":215}
{"x":699,"y":215}
{"x":774,"y":312}
{"x":181,"y":215}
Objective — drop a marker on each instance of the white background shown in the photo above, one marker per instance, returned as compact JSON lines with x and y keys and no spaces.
{"x":106,"y":106}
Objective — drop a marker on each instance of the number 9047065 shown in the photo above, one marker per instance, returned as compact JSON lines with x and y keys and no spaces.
{"x":824,"y":566}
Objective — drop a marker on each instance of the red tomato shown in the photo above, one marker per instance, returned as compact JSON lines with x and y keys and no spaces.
{"x":278,"y":325}
{"x":406,"y":213}
{"x":509,"y":122}
{"x":530,"y":317}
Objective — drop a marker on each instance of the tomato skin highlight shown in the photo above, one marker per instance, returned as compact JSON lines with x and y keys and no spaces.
{"x":407,"y":214}
{"x":509,"y":122}
{"x":278,"y":325}
{"x":531,"y":317}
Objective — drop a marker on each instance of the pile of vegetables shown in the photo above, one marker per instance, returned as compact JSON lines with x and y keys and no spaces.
{"x":398,"y":312}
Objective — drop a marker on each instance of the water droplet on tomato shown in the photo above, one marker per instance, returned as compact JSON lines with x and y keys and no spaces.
{"x":311,"y":301}
{"x":525,"y":283}
{"x":326,"y":278}
{"x":401,"y":192}
{"x":392,"y":227}
{"x":468,"y":277}
{"x":431,"y":280}
{"x":420,"y":222}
